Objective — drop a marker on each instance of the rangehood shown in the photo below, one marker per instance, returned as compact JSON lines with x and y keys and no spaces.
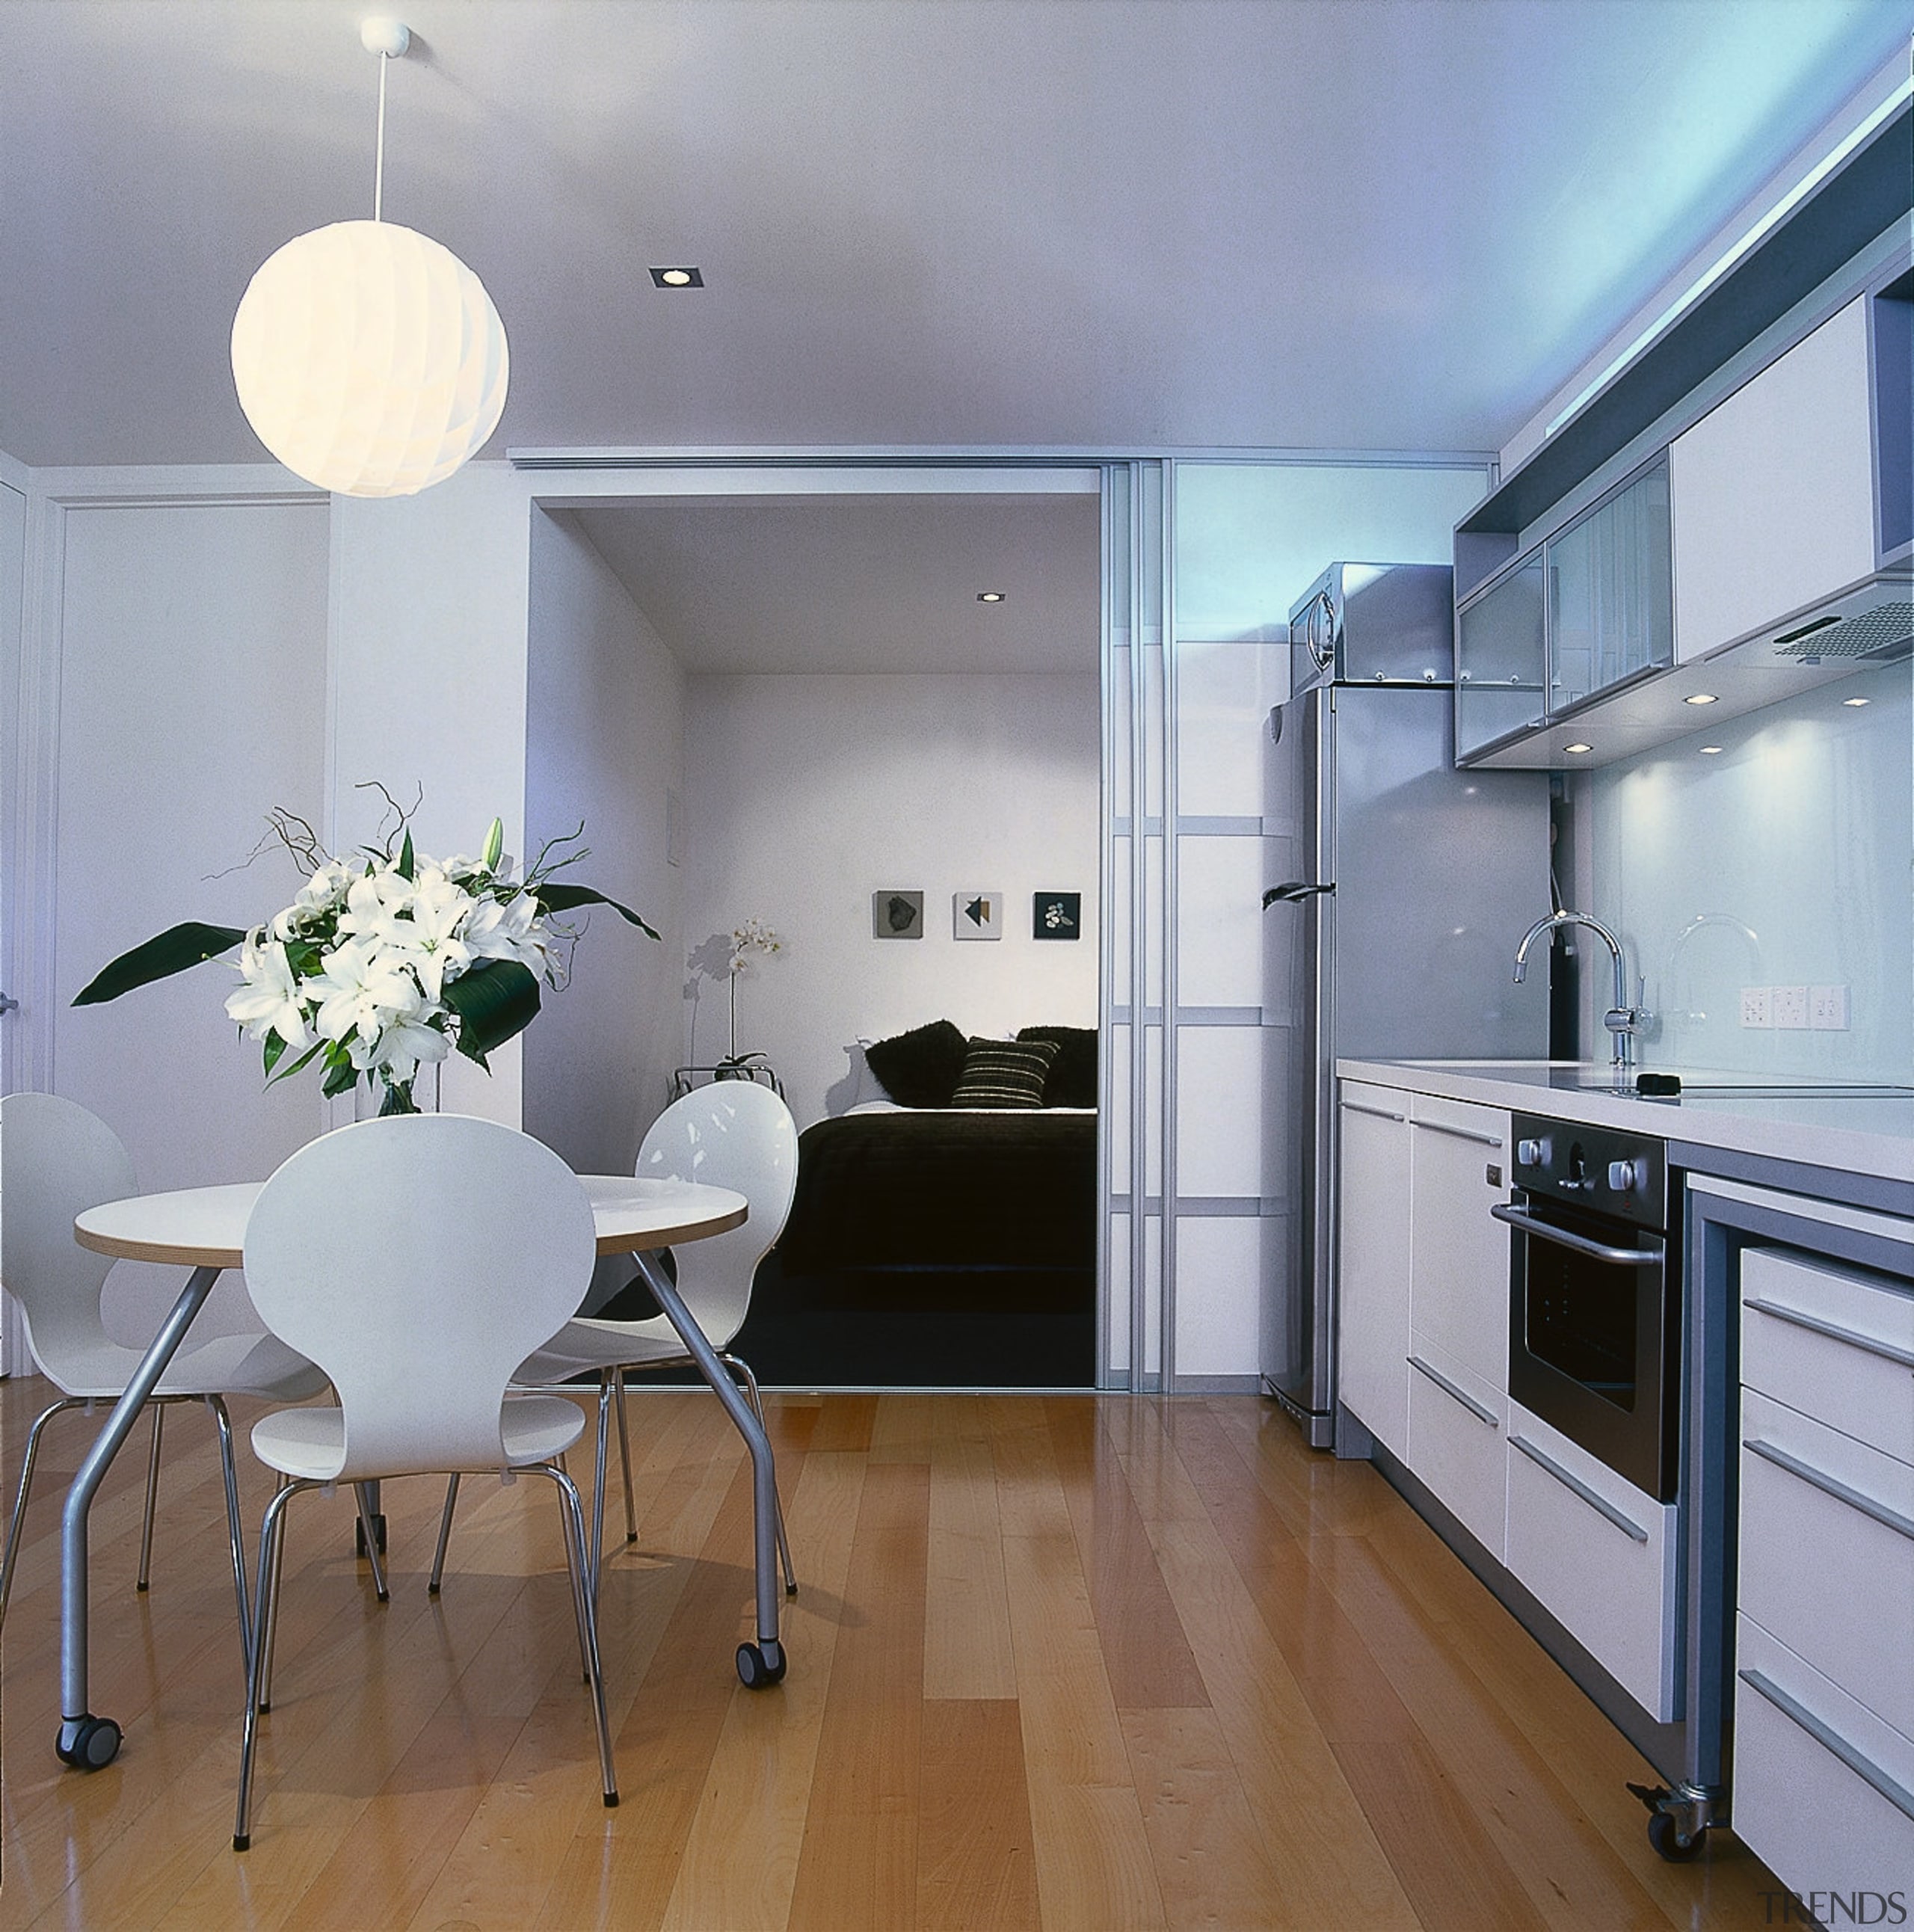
{"x":1863,"y":632}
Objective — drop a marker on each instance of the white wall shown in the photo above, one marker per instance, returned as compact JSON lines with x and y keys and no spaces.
{"x":1799,"y":831}
{"x":807,"y":794}
{"x":191,"y":685}
{"x":605,"y":745}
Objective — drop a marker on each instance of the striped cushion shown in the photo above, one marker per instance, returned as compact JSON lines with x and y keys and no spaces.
{"x":1004,"y":1073}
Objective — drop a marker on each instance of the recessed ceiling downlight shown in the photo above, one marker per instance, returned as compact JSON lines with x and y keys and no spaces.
{"x":681,"y":278}
{"x":1575,"y":750}
{"x":1711,"y":751}
{"x":1856,"y":703}
{"x":1701,"y":698}
{"x":990,"y":596}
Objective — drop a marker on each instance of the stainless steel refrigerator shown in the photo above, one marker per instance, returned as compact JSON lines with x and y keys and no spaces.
{"x":1398,"y":889}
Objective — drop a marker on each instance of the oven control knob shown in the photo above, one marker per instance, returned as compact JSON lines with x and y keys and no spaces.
{"x":1624,"y":1176}
{"x":1530,"y":1153}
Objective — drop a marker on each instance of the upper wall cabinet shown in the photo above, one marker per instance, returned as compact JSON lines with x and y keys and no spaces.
{"x":1774,"y":491}
{"x":1608,"y":601}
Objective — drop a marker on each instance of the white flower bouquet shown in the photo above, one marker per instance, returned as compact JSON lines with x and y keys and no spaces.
{"x":384,"y":965}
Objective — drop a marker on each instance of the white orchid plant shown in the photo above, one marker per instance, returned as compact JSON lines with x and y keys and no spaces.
{"x":386,"y":963}
{"x":754,"y":936}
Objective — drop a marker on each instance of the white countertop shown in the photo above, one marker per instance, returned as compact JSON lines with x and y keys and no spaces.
{"x":1860,"y":1133}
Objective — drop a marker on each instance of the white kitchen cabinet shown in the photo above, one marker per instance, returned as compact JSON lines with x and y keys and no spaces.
{"x":1456,"y":1441}
{"x":1372,"y":1272}
{"x":1824,"y":1658}
{"x":1459,"y":1157}
{"x":1579,"y":1536}
{"x":1772,"y":492}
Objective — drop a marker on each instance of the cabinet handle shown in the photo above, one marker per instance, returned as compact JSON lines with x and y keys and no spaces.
{"x":1600,"y":1505}
{"x":1897,"y":1795}
{"x":1782,"y":1312}
{"x":1448,"y":1388}
{"x":1380,"y":1113}
{"x":1830,"y":1486}
{"x":1460,"y":1133}
{"x":1562,"y":1238}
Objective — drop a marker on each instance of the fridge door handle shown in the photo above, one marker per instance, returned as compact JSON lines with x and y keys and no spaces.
{"x":1293,"y":892}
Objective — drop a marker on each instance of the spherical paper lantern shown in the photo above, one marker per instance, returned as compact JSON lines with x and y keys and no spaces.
{"x":369,"y":359}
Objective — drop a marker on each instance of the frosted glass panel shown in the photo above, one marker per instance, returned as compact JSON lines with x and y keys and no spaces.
{"x":1222,"y":1086}
{"x":1249,"y":537}
{"x":1221,"y":709}
{"x":1781,"y":861}
{"x":1221,"y":926}
{"x":1219,"y":1264}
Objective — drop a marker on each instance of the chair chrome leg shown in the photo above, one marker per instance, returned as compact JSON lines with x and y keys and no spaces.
{"x":271,"y":1622}
{"x":445,"y":1536}
{"x":20,"y":1500}
{"x":742,"y":1371}
{"x":368,"y":1522}
{"x":222,"y":1422}
{"x":596,"y":1565}
{"x":258,"y":1692}
{"x":581,"y":1596}
{"x":625,"y":1457}
{"x":145,"y":1580}
{"x":575,"y":1558}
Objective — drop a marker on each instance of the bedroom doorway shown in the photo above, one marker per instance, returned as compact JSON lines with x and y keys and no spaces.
{"x":845,"y":691}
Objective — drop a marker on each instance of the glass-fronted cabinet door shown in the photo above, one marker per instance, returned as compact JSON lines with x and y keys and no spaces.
{"x":1611,"y":603}
{"x":1500,"y":655}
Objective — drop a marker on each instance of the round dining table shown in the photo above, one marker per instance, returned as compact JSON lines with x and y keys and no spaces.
{"x":204,"y":1229}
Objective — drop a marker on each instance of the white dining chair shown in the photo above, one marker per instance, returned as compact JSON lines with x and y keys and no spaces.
{"x":731,"y":1133}
{"x":418,"y":1260}
{"x":56,"y":1160}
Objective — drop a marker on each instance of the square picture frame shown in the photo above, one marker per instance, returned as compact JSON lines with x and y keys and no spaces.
{"x":1057,"y":915}
{"x":897,"y":913}
{"x":976,"y":915}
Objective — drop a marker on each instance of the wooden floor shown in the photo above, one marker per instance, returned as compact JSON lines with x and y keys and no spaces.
{"x":1059,"y":1662}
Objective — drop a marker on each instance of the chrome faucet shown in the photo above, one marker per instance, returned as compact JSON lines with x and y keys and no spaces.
{"x":1623,"y":1021}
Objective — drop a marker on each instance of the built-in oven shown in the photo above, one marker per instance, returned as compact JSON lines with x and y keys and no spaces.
{"x":1595,"y":1299}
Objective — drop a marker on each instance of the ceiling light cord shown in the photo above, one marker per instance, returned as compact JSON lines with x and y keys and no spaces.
{"x":379,"y":165}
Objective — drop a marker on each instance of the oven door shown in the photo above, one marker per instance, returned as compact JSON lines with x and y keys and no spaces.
{"x":1592,"y":1336}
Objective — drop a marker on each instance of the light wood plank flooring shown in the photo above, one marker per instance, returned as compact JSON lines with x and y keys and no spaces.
{"x":1057,"y":1662}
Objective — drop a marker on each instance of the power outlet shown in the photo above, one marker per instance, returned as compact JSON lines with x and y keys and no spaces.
{"x":1788,"y":1004}
{"x":1757,"y":1009}
{"x":1827,"y":1009}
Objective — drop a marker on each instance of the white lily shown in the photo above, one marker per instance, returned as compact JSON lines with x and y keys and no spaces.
{"x":268,"y":1001}
{"x":506,"y":930}
{"x":439,"y":907}
{"x":363,"y":986}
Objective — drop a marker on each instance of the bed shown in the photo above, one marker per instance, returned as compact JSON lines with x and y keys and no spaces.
{"x":935,"y":1244}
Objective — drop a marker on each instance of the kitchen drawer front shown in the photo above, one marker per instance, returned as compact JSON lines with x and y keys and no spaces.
{"x":1860,"y":1378}
{"x":1455,"y":1441}
{"x":1827,"y":1553}
{"x":1808,"y":1779}
{"x":1599,"y":1554}
{"x":1460,"y":1254}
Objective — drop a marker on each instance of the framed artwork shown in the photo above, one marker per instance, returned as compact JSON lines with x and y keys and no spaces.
{"x":977,"y":915}
{"x":1058,"y":915}
{"x":897,"y":915}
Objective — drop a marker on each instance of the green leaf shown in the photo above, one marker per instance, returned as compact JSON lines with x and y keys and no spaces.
{"x":304,"y":1060}
{"x":172,"y":951}
{"x":494,"y":846}
{"x":407,"y":865}
{"x":274,"y":1047}
{"x":340,"y":1079}
{"x":497,"y":999}
{"x":564,"y":898}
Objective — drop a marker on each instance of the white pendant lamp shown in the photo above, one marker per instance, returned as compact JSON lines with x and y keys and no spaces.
{"x":369,"y":359}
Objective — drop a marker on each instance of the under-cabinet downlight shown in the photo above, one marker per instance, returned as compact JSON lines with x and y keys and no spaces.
{"x":1575,"y":750}
{"x":1856,"y":703}
{"x":1711,"y":751}
{"x":1701,"y":698}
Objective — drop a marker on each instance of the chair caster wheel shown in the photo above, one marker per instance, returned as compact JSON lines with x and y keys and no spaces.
{"x":1669,"y":1842}
{"x":88,"y":1743}
{"x":761,"y":1665}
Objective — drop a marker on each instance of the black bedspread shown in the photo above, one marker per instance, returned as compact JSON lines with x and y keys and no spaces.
{"x":943,"y":1189}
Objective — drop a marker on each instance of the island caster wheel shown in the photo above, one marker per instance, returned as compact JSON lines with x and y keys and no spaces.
{"x":1669,"y":1843}
{"x":761,"y":1665}
{"x":88,"y":1743}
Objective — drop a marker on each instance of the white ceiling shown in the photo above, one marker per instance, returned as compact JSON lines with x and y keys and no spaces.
{"x":862,"y":584}
{"x":1391,"y":224}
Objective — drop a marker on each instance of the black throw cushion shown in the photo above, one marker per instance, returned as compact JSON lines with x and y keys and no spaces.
{"x":1073,"y":1082}
{"x":1005,"y":1073}
{"x":920,"y":1068}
